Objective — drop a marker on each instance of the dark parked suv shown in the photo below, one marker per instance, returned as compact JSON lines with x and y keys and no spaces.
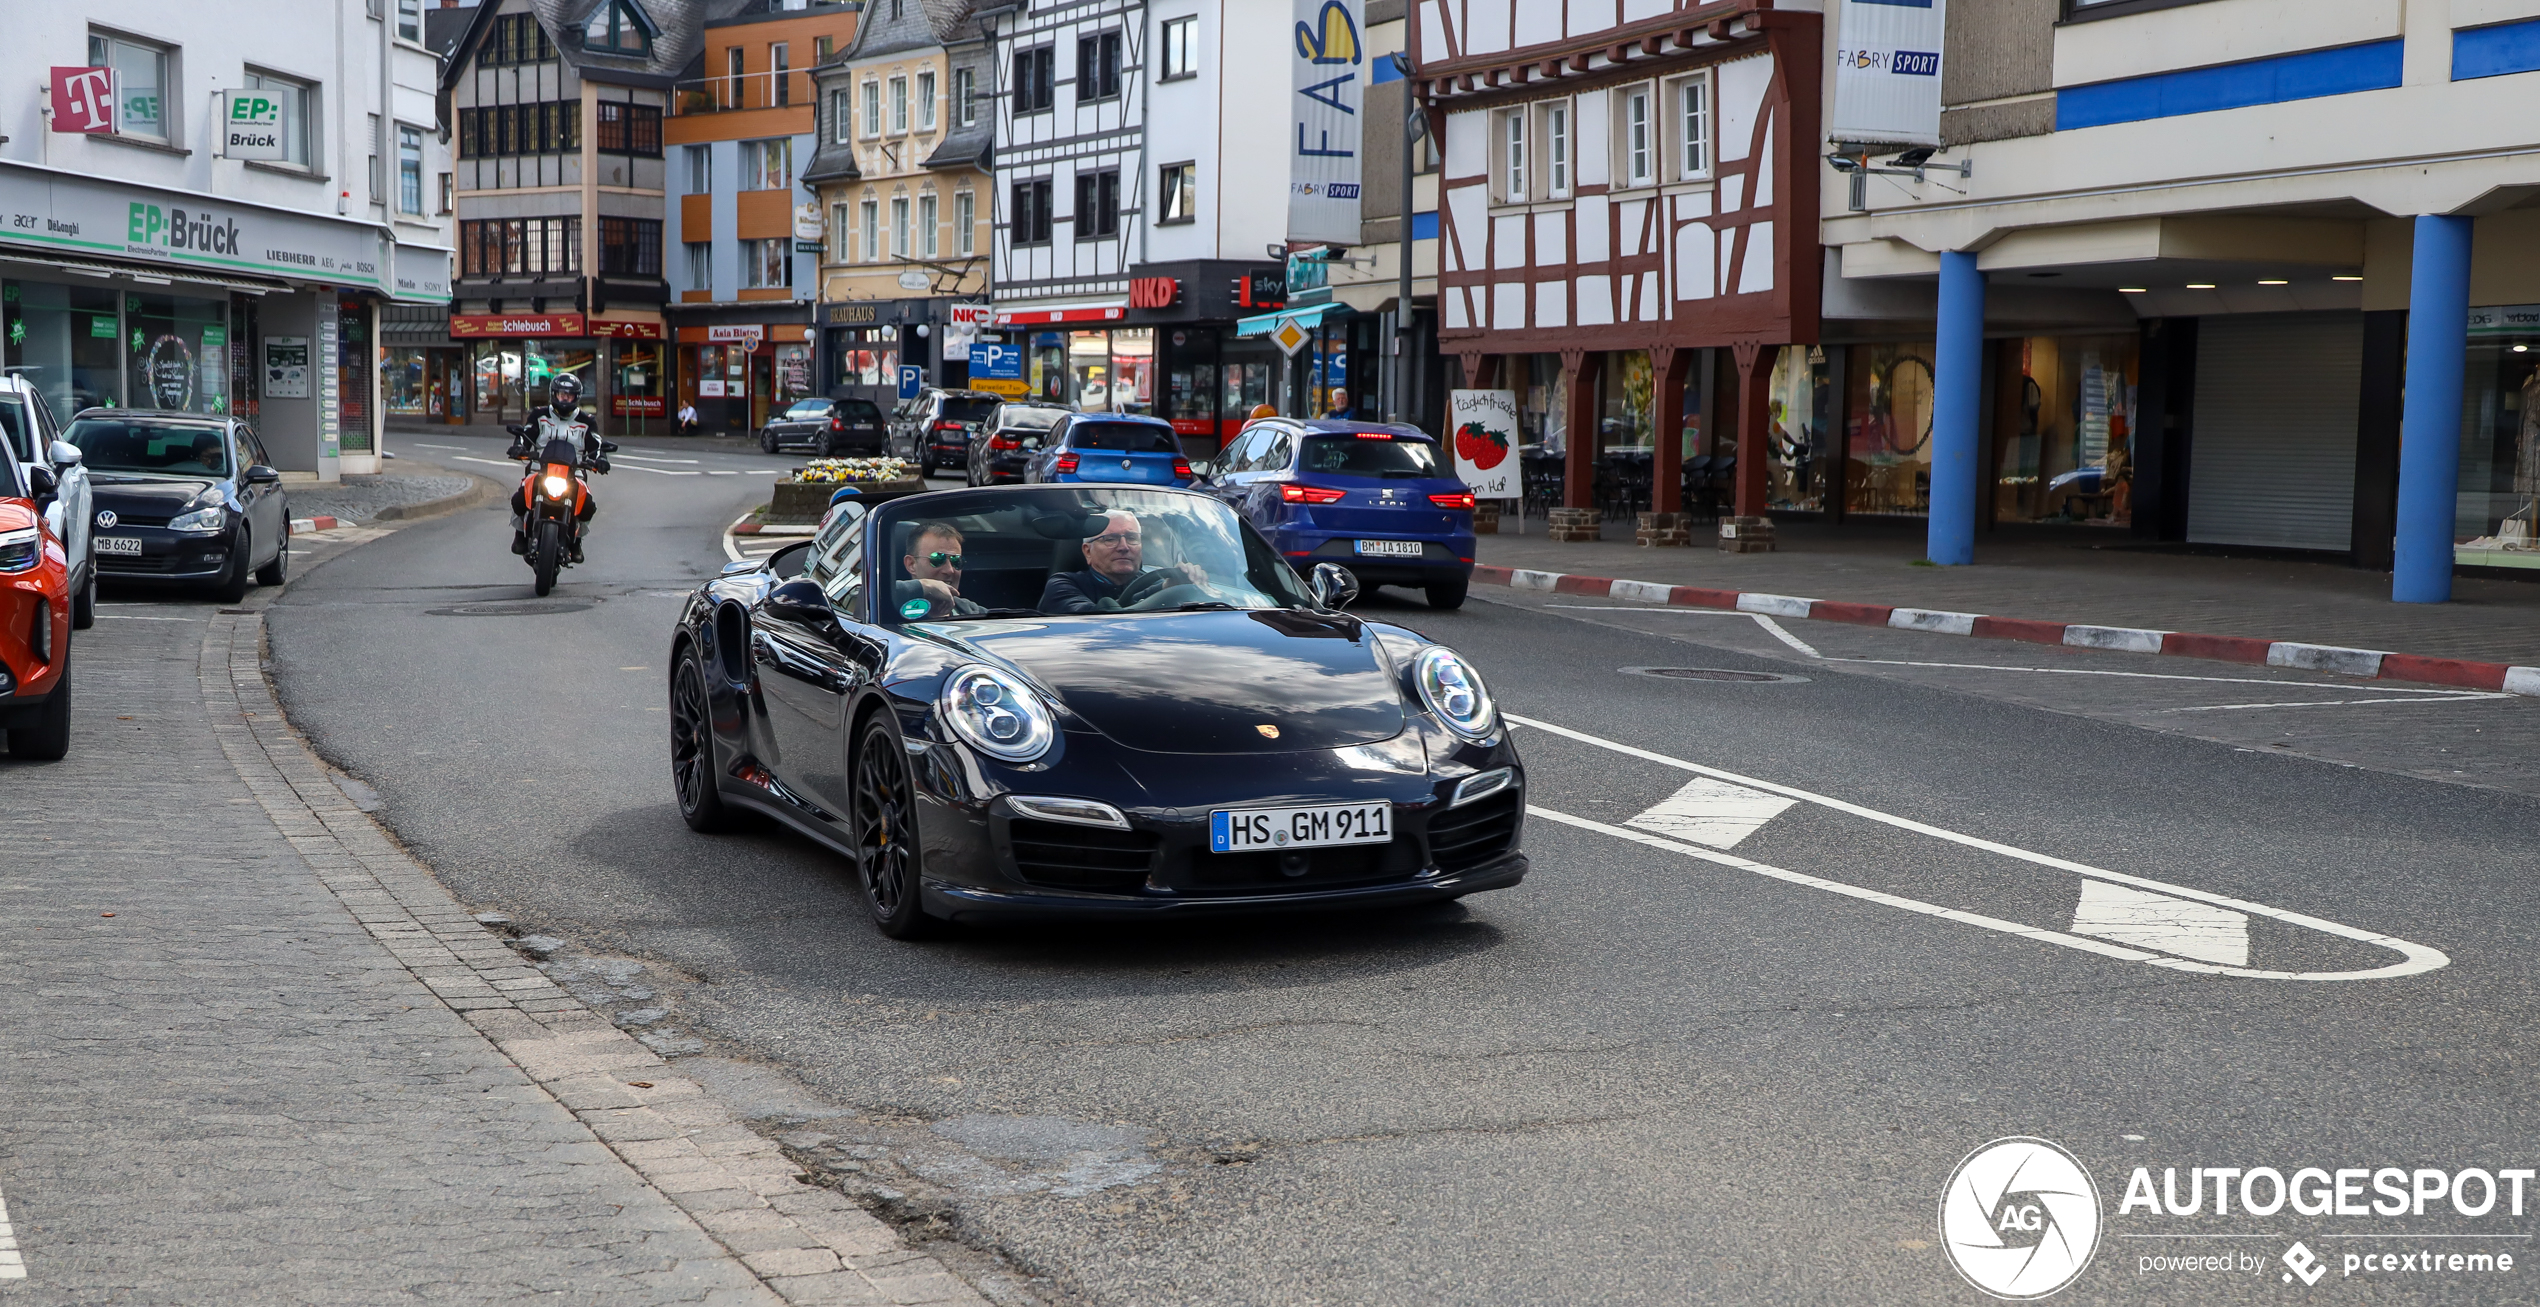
{"x":935,"y":428}
{"x":828,"y":427}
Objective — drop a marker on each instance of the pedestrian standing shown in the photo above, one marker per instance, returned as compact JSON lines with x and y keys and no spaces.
{"x":1340,"y":404}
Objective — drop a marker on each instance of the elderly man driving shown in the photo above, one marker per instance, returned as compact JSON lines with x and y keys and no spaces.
{"x":1112,"y":563}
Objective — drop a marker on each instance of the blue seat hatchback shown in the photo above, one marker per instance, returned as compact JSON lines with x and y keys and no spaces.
{"x":1382,"y":500}
{"x":1115,"y":448}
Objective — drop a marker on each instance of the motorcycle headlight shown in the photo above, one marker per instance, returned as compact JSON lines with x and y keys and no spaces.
{"x":201,"y":519}
{"x":557,"y":487}
{"x":997,"y":714}
{"x":1454,"y":691}
{"x":20,"y":550}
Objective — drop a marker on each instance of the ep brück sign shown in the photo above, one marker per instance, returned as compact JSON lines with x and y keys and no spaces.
{"x":251,"y":126}
{"x":1329,"y":65}
{"x":1887,"y":72}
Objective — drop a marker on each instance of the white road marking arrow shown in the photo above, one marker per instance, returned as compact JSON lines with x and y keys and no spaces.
{"x":2157,"y":921}
{"x":1714,"y":813}
{"x":12,"y":1263}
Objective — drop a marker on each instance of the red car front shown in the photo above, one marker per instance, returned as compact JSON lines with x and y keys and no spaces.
{"x":35,"y":632}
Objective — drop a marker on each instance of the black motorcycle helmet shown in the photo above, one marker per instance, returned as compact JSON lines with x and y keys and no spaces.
{"x":565,"y":392}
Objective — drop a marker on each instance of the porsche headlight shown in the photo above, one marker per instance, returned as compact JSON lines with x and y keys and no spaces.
{"x":997,"y":714}
{"x":556,"y":486}
{"x":1454,"y":691}
{"x":201,"y":519}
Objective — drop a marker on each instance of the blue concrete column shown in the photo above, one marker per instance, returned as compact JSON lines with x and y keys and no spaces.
{"x":2430,"y":421}
{"x":1957,"y":409}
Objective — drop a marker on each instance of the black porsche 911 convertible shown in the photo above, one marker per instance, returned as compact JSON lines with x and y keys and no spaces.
{"x":1035,"y":701}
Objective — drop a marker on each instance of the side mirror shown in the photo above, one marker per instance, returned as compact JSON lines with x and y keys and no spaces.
{"x":801,"y":601}
{"x":1333,"y":586}
{"x":66,"y":454}
{"x":608,"y":446}
{"x":260,"y":475}
{"x":46,"y":486}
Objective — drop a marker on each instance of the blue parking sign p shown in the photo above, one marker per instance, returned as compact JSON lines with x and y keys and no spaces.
{"x":912,"y":380}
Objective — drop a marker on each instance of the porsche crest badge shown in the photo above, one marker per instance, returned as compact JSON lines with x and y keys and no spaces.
{"x":1268,"y":731}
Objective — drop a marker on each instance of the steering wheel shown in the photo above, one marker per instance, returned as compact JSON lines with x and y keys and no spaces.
{"x":1152,"y":587}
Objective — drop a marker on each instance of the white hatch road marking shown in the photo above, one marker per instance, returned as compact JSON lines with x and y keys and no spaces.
{"x":12,"y":1263}
{"x":647,"y":458}
{"x":511,"y":463}
{"x":2417,"y":957}
{"x":659,"y":471}
{"x":722,"y":473}
{"x":2157,"y":921}
{"x":420,"y":445}
{"x":1712,"y":812}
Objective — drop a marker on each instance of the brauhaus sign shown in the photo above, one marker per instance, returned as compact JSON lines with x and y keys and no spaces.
{"x":53,"y":210}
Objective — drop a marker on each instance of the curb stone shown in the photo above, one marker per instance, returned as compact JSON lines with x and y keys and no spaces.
{"x":799,"y":1243}
{"x":2369,"y":664}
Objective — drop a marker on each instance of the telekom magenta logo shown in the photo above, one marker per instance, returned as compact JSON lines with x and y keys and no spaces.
{"x":83,"y":100}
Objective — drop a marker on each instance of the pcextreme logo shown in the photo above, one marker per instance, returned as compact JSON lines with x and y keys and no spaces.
{"x":176,"y":229}
{"x":2020,"y":1218}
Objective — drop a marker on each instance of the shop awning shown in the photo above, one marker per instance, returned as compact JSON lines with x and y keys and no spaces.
{"x":151,"y":273}
{"x":1307,"y":318}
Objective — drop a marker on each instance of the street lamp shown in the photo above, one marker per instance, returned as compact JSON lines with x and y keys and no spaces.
{"x":1415,"y":125}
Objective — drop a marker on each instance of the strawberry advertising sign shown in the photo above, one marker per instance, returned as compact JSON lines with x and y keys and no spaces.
{"x":1483,"y":429}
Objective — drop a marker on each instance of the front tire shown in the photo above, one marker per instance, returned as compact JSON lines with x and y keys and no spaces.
{"x":547,"y":554}
{"x":692,"y":767}
{"x":275,"y":572}
{"x":84,"y":604}
{"x":768,"y":443}
{"x":1448,"y":595}
{"x":883,"y":814}
{"x":234,"y":583}
{"x":50,"y":738}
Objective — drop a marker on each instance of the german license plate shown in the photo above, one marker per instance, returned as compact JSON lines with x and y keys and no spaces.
{"x":1251,"y":830}
{"x":1389,"y":548}
{"x":119,"y":545}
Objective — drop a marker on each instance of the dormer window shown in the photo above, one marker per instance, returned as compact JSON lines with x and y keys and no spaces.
{"x":620,"y":26}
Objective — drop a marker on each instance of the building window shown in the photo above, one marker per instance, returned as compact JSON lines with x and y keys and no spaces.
{"x":378,"y":179}
{"x":1097,"y":67}
{"x":616,"y":28}
{"x":546,"y":127}
{"x":1177,"y":192}
{"x":840,"y":129}
{"x":930,"y":244}
{"x":871,"y":226}
{"x":821,"y":49}
{"x":1181,"y":48}
{"x":299,"y":119}
{"x":143,"y":96}
{"x":1035,"y":79}
{"x":841,"y":233}
{"x":700,"y":169}
{"x":965,"y":223}
{"x":872,"y":109}
{"x":515,"y":247}
{"x":516,"y":39}
{"x":1635,"y":138}
{"x":1512,"y":156}
{"x":410,"y":20}
{"x":767,"y":165}
{"x":1693,"y":128}
{"x":409,"y":170}
{"x":1556,"y":150}
{"x":899,"y":226}
{"x":780,"y":63}
{"x":735,"y":77}
{"x":899,"y":105}
{"x":926,"y":101}
{"x":700,"y":266}
{"x":965,"y":97}
{"x":767,"y":264}
{"x":1097,"y":204}
{"x":449,"y":192}
{"x":630,"y":129}
{"x":1030,"y":224}
{"x":630,"y":247}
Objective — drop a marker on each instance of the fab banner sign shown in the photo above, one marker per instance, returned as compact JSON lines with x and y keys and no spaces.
{"x":251,"y":125}
{"x":1485,"y":427}
{"x":1887,"y":72}
{"x":1329,"y":76}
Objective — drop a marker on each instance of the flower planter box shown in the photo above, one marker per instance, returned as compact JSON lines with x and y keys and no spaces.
{"x":804,"y":503}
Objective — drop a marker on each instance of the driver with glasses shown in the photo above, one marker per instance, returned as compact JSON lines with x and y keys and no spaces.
{"x":1112,"y":566}
{"x":933,"y":563}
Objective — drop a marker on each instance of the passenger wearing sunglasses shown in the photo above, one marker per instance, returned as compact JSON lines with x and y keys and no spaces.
{"x":1112,"y":568}
{"x":933,"y":562}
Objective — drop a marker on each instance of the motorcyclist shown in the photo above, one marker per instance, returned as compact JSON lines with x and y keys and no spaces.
{"x":564,"y":405}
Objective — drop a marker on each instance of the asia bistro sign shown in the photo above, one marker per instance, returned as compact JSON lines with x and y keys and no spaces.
{"x":88,"y":216}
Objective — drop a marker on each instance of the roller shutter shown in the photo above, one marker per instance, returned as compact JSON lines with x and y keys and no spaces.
{"x":2273,"y":459}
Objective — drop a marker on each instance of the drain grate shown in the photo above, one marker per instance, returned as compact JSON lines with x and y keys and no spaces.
{"x":1710,"y":674}
{"x":507,"y":610}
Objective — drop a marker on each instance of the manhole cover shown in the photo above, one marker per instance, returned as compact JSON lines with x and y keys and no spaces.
{"x":1708,"y":674}
{"x":507,"y":610}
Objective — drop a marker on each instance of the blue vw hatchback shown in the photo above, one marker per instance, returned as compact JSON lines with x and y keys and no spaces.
{"x":1380,"y":500}
{"x":1114,"y":448}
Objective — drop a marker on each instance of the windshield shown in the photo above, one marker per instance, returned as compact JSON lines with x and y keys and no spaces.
{"x":1029,"y":419}
{"x":809,"y":408}
{"x":1126,"y":437}
{"x":151,"y":448}
{"x":17,"y":425}
{"x":1025,"y":551}
{"x":961,"y":409}
{"x":861,"y":410}
{"x":1369,"y":455}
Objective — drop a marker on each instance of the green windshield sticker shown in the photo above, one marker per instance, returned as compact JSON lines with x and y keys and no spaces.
{"x":915,"y":608}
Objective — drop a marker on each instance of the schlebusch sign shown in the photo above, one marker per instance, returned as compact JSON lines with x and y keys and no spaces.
{"x":251,"y":127}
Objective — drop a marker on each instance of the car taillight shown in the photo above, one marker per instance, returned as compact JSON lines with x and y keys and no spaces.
{"x":1004,"y":442}
{"x":1375,"y":435}
{"x":1065,"y":463}
{"x":837,"y":424}
{"x":1460,"y":499}
{"x":1181,"y":468}
{"x":948,"y":426}
{"x":1297,"y":494}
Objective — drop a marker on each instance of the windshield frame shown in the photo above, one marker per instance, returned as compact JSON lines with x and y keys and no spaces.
{"x":229,"y":468}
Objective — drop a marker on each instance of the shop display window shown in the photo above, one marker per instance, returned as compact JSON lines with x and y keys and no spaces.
{"x":1190,"y":382}
{"x":793,"y":373}
{"x":547,"y":360}
{"x":1888,"y":416}
{"x":1627,"y":402}
{"x":1133,"y":370}
{"x":354,"y":376}
{"x":1543,"y":402}
{"x":498,"y":376}
{"x":405,"y":382}
{"x":2496,"y":518}
{"x":2066,"y":453}
{"x":1250,"y":369}
{"x":176,"y":352}
{"x":1046,"y":367}
{"x":66,"y":340}
{"x":635,"y":380}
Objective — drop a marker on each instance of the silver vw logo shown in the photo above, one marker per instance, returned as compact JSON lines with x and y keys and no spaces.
{"x":106,"y":519}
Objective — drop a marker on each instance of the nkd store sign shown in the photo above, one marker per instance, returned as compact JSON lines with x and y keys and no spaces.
{"x":71,"y":214}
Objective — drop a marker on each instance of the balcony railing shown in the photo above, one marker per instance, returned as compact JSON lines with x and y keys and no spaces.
{"x":762,"y":90}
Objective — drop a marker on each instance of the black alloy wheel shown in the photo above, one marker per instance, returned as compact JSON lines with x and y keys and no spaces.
{"x":50,"y":737}
{"x":828,"y":444}
{"x":767,"y":441}
{"x":234,"y":583}
{"x":883,"y":817}
{"x":692,"y":767}
{"x":277,"y":571}
{"x":1448,"y":594}
{"x":546,"y":554}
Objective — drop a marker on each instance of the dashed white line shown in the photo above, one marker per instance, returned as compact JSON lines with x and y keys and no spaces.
{"x":659,"y":471}
{"x":647,"y":458}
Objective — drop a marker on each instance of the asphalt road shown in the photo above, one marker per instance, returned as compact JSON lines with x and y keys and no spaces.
{"x":1659,"y":1071}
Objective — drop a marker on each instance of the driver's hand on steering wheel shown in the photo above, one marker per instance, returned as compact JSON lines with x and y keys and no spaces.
{"x":1192,"y":573}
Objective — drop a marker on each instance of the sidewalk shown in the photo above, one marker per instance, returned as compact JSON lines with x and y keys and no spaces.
{"x":2071,"y":575}
{"x":254,"y":1052}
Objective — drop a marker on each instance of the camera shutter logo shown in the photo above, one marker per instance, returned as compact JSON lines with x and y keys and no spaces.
{"x":2020,"y":1218}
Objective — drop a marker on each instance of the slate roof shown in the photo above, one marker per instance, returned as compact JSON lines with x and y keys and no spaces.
{"x":681,"y":40}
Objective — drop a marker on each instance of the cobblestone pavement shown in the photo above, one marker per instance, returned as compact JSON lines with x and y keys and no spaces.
{"x":2072,"y":574}
{"x":255,"y":1053}
{"x":360,"y":498}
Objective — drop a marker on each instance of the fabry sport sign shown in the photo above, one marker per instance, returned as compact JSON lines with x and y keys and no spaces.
{"x":83,"y":100}
{"x":1887,"y":72}
{"x":1329,"y":78}
{"x":251,"y":126}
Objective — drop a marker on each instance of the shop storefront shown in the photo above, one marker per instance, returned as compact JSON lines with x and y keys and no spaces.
{"x":2497,"y":521}
{"x":736,"y":374}
{"x":515,"y":357}
{"x":864,"y":343}
{"x":423,"y":371}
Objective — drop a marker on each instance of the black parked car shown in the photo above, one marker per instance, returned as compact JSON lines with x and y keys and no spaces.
{"x":1218,"y":740}
{"x":183,"y":497}
{"x":832,"y":428}
{"x":934,"y":429}
{"x":1009,"y":440}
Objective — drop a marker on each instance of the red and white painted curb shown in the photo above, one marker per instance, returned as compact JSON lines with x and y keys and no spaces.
{"x":305,"y":525}
{"x":2372,"y":664}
